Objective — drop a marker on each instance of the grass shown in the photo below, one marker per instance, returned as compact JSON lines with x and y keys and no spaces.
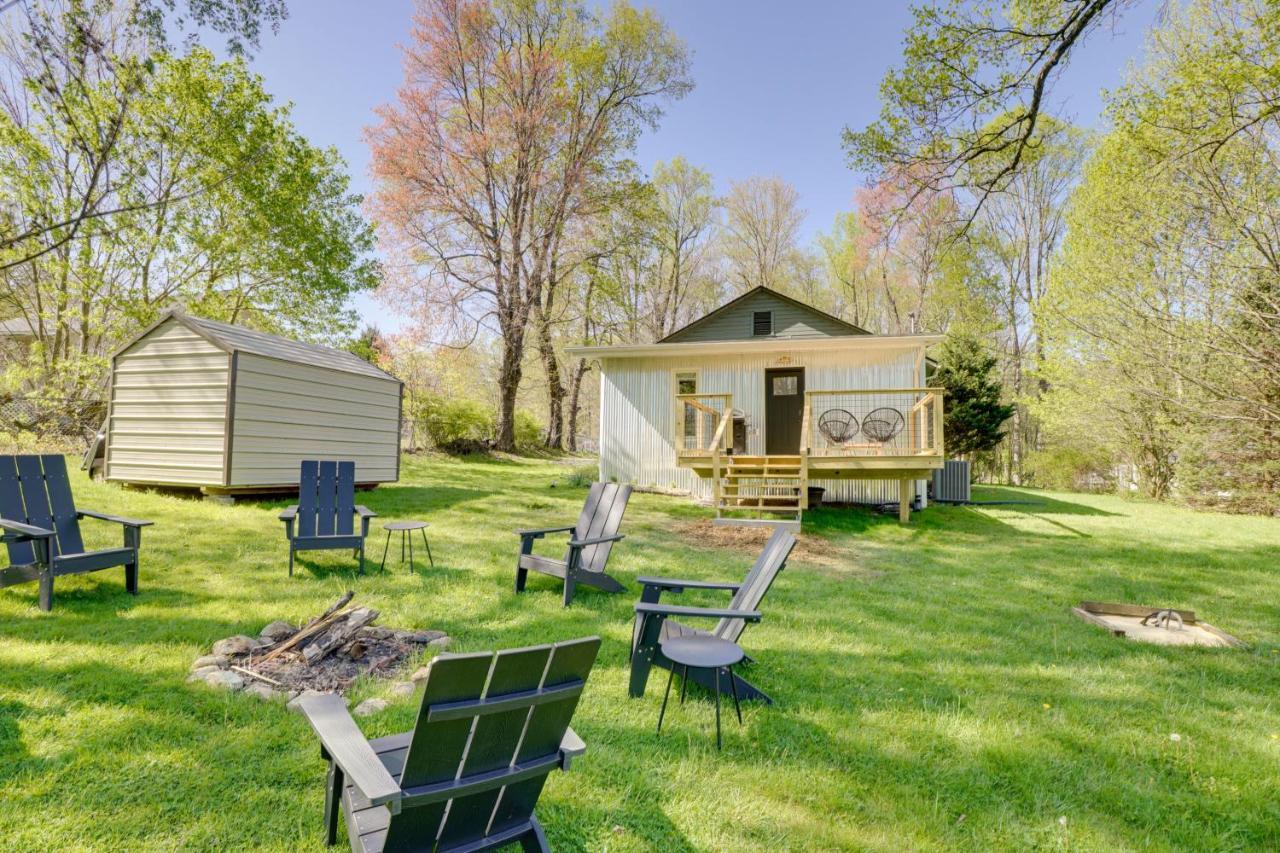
{"x":932,"y":690}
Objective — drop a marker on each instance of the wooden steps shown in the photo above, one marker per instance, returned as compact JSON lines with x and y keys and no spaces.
{"x":763,"y":486}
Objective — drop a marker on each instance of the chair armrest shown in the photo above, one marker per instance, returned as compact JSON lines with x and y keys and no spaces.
{"x":127,"y":522}
{"x":289,"y":513}
{"x":539,"y":533}
{"x":347,"y":747}
{"x":676,"y":585}
{"x":708,"y":612}
{"x":364,"y":512}
{"x":26,"y":531}
{"x":571,"y":746}
{"x":595,"y":540}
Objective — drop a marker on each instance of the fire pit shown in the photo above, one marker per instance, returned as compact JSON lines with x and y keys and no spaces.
{"x":327,"y":654}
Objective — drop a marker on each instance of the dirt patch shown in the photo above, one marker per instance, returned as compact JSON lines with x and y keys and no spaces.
{"x":811,"y":550}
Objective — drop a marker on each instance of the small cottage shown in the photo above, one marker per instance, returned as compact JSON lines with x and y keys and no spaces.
{"x":765,"y":397}
{"x":227,"y":410}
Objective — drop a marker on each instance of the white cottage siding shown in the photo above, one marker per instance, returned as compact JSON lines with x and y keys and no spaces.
{"x":285,"y":412}
{"x":168,"y":406}
{"x":637,"y":407}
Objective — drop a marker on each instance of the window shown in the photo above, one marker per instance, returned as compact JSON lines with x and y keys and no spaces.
{"x":687,"y":383}
{"x":785,"y":386}
{"x":762,"y":324}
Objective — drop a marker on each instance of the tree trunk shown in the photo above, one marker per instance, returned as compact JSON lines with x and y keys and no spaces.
{"x":575,"y":402}
{"x":510,"y":372}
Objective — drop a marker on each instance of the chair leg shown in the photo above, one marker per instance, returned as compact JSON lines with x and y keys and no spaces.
{"x":522,"y":574}
{"x":131,"y":577}
{"x":535,"y":840}
{"x":428,"y":546}
{"x":291,"y":560}
{"x":667,"y":693}
{"x":569,"y":586}
{"x":409,"y":536}
{"x":684,"y":681}
{"x":718,"y":746}
{"x":361,"y":556}
{"x":386,"y":545}
{"x":332,"y":803}
{"x":733,"y":684}
{"x":46,"y":590}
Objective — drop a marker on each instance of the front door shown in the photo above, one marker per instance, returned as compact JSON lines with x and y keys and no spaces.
{"x":783,"y":410}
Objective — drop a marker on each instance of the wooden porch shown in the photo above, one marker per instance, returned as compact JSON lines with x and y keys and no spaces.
{"x":864,"y":434}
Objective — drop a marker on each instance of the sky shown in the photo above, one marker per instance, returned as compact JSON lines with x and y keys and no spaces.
{"x":775,"y":84}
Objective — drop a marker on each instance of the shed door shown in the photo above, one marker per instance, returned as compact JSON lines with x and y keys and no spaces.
{"x":783,"y":410}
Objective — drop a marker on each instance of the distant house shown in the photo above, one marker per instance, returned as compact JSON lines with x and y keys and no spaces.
{"x":227,"y":410}
{"x":764,"y":397}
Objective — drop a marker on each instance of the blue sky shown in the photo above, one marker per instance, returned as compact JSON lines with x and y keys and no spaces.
{"x":775,"y":85}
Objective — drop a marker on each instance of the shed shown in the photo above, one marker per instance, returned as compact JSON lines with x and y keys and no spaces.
{"x":224,"y":409}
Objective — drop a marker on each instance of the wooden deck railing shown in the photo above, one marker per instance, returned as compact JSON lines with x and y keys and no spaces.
{"x":702,"y":423}
{"x":873,"y":422}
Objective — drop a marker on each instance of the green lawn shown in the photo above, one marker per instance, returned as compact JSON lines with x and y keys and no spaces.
{"x":932,"y":689}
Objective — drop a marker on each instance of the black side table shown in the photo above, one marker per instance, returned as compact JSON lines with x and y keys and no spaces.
{"x":406,"y":528}
{"x":702,"y":652}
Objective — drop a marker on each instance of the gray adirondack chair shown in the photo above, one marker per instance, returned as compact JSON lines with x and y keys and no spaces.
{"x":589,"y":545}
{"x":655,"y":622}
{"x":41,"y":528}
{"x":442,"y":786}
{"x":325,"y":511}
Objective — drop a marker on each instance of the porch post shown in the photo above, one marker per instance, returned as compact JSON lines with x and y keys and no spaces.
{"x":904,"y":501}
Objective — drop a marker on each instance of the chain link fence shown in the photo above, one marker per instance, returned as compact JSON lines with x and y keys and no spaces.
{"x":37,"y":420}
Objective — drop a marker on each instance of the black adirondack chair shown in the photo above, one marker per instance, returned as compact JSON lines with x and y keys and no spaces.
{"x":325,"y":511}
{"x":41,"y":528}
{"x":589,"y":545}
{"x":655,"y":622}
{"x":442,"y":787}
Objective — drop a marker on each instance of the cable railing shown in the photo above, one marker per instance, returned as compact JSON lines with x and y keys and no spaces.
{"x":873,"y":422}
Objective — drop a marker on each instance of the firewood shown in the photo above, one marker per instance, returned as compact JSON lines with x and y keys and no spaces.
{"x":313,"y":627}
{"x":257,"y":675}
{"x":337,"y":634}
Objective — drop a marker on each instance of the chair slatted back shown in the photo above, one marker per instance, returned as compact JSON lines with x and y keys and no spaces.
{"x":748,"y":597}
{"x":36,"y":490}
{"x":601,"y":516}
{"x":326,"y":498}
{"x":491,"y":724}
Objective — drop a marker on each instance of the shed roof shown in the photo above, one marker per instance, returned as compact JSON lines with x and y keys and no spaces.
{"x":234,"y":338}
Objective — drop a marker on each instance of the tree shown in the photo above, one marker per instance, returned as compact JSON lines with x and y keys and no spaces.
{"x":762,"y":227}
{"x":686,"y":212}
{"x":963,"y":110}
{"x":974,"y":413}
{"x":87,"y":62}
{"x":1167,"y":285}
{"x":219,"y":205}
{"x":509,"y":120}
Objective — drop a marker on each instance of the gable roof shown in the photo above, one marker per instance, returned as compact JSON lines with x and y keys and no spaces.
{"x":232,"y":338}
{"x":684,"y":332}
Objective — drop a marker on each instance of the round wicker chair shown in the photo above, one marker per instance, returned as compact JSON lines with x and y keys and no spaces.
{"x":883,"y":424}
{"x":837,"y":425}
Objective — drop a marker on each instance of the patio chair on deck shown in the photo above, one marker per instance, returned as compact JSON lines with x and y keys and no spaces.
{"x":654,"y":622}
{"x":325,"y":511}
{"x":469,"y":774}
{"x":590,"y":543}
{"x":41,"y":527}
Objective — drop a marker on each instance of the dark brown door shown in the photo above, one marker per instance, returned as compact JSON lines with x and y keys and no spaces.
{"x":783,"y":410}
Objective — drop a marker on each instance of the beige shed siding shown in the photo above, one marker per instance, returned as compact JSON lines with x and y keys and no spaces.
{"x":790,"y":320}
{"x":286,"y":412}
{"x":168,"y":410}
{"x":637,"y":408}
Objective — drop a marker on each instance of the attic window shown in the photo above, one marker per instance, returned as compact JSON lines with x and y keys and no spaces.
{"x":762,"y":324}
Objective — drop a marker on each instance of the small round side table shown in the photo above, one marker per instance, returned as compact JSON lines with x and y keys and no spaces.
{"x":405,"y":529}
{"x":702,"y":652}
